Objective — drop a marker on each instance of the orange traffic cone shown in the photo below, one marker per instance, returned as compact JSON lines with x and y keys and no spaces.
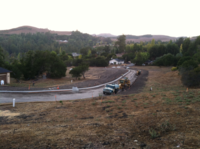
{"x":57,"y":87}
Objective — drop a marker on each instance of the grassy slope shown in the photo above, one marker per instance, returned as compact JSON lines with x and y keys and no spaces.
{"x":163,"y":118}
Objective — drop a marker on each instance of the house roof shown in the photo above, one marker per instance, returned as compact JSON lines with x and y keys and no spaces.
{"x":3,"y":70}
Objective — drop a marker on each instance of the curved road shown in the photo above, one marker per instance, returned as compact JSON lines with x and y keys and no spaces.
{"x":67,"y":95}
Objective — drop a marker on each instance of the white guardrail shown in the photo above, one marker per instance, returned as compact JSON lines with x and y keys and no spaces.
{"x":61,"y":90}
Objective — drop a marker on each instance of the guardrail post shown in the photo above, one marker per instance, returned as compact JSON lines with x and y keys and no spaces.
{"x":13,"y":102}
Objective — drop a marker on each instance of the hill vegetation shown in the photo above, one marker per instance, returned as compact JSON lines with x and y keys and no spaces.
{"x":20,"y":43}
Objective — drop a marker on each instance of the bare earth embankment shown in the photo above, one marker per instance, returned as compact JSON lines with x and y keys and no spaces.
{"x":95,"y":76}
{"x":166,"y":117}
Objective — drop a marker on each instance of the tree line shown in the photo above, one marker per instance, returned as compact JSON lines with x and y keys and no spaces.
{"x":21,"y":43}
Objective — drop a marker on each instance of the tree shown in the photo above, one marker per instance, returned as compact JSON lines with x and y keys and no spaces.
{"x":84,"y":51}
{"x":179,"y":42}
{"x":75,"y":72}
{"x":35,"y":63}
{"x":166,"y":60}
{"x":189,"y":64}
{"x":15,"y":68}
{"x":121,"y":43}
{"x":80,"y":70}
{"x":191,"y":77}
{"x":140,"y":58}
{"x":172,"y":48}
{"x":89,"y":53}
{"x":56,"y":67}
{"x":99,"y":62}
{"x":181,"y":48}
{"x":1,"y":57}
{"x":106,"y":49}
{"x":83,"y":68}
{"x":183,"y":59}
{"x":80,"y":56}
{"x":186,"y":45}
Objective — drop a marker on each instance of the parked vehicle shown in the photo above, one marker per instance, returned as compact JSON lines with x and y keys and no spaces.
{"x":110,"y":89}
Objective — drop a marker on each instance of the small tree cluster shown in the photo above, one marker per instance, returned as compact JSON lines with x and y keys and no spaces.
{"x":79,"y":70}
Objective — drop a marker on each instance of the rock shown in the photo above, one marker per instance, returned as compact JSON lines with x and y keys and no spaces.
{"x":178,"y":146}
{"x":135,"y":141}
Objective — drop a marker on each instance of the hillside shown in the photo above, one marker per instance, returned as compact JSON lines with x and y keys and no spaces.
{"x":32,"y":30}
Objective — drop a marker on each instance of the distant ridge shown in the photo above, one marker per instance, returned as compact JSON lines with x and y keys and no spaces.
{"x":133,"y":38}
{"x":32,"y":30}
{"x":143,"y":38}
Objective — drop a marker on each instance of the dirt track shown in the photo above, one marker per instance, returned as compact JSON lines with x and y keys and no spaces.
{"x":139,"y":83}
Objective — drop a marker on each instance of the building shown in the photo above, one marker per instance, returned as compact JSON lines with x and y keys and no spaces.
{"x":116,"y":61}
{"x":5,"y":75}
{"x":75,"y":54}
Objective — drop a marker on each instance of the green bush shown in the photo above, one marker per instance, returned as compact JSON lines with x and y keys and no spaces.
{"x":166,"y":60}
{"x":191,"y":77}
{"x":183,"y":59}
{"x":153,"y":133}
{"x":173,"y":68}
{"x":189,"y":64}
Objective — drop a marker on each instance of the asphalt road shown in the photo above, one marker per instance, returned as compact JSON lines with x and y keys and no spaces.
{"x":68,"y":95}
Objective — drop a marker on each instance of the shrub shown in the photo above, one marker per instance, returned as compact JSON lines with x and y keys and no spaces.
{"x":189,"y":64}
{"x":183,"y":59}
{"x":153,"y":133}
{"x":173,"y":68}
{"x":191,"y":77}
{"x":166,"y":60}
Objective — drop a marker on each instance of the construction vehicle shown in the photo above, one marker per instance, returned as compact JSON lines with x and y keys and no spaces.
{"x":111,"y":89}
{"x":123,"y":83}
{"x":138,"y":72}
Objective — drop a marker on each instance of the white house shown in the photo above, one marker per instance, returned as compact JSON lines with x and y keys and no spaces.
{"x":116,"y":61}
{"x":75,"y":54}
{"x":63,"y":41}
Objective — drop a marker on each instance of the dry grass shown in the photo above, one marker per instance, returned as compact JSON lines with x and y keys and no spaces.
{"x":164,"y":118}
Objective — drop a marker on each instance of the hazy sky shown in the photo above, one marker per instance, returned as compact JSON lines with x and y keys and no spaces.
{"x":136,"y":17}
